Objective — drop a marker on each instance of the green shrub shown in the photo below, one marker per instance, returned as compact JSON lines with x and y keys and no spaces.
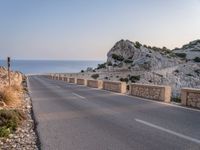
{"x":176,"y":71}
{"x":137,"y":44}
{"x":117,"y":57}
{"x":197,"y":59}
{"x":95,"y":76}
{"x":182,"y":55}
{"x":133,"y":79}
{"x":9,"y":121}
{"x":4,"y":131}
{"x":197,"y":71}
{"x":124,"y":80}
{"x":127,"y":61}
{"x":101,"y":66}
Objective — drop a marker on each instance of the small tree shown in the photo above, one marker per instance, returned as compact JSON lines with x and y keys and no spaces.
{"x":137,"y":44}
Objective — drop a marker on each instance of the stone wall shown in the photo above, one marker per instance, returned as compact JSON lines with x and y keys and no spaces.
{"x":95,"y":84}
{"x":72,"y":80}
{"x":154,"y":92}
{"x":119,"y":87}
{"x":81,"y":81}
{"x":65,"y":79}
{"x":190,"y":97}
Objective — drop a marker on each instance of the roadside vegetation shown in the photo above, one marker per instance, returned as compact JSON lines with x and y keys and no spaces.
{"x":11,"y":95}
{"x":9,"y":121}
{"x":10,"y":114}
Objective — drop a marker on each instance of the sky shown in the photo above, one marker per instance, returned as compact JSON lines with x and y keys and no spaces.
{"x":87,"y":29}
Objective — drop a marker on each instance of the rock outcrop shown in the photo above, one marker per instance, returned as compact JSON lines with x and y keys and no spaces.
{"x":190,"y":51}
{"x":140,"y":57}
{"x":151,"y":65}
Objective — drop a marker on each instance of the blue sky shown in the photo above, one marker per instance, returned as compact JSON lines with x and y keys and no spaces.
{"x":87,"y":29}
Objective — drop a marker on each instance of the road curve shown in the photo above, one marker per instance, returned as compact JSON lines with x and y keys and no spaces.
{"x":72,"y":117}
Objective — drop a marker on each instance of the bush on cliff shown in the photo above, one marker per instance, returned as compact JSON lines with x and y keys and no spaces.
{"x":137,"y":44}
{"x":117,"y":57}
{"x":181,"y":55}
{"x":196,"y":59}
{"x":101,"y":66}
{"x":134,"y":79}
{"x":95,"y":76}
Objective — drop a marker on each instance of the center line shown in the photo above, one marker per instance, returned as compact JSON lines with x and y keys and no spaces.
{"x":78,"y":96}
{"x":169,"y":131}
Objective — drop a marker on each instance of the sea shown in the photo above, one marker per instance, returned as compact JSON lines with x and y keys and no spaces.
{"x":50,"y":66}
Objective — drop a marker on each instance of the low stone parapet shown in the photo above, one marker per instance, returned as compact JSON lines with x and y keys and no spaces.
{"x":190,"y":97}
{"x":119,"y":87}
{"x":95,"y":84}
{"x":65,"y":79}
{"x":61,"y":77}
{"x":81,"y":81}
{"x":154,"y":92}
{"x":72,"y":80}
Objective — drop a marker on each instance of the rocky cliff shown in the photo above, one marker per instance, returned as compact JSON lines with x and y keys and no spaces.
{"x":133,"y":62}
{"x":140,"y":57}
{"x":189,"y":51}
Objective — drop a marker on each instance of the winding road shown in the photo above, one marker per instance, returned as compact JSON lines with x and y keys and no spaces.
{"x":72,"y":117}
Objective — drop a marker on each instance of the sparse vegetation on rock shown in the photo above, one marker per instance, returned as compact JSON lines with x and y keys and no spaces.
{"x":134,"y":79}
{"x":101,"y":66}
{"x":95,"y":76}
{"x":117,"y":57}
{"x":9,"y":121}
{"x":196,"y":59}
{"x":137,"y":44}
{"x":181,"y":55}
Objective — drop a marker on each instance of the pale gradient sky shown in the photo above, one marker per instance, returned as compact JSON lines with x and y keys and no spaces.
{"x":87,"y":29}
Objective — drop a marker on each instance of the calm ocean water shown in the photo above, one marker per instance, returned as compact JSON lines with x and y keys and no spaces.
{"x":50,"y":66}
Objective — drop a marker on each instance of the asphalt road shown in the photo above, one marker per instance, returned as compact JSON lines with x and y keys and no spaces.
{"x":72,"y":117}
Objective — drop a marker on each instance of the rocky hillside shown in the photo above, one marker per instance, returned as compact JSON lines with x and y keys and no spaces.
{"x":127,"y":54}
{"x":189,"y":51}
{"x":133,"y":62}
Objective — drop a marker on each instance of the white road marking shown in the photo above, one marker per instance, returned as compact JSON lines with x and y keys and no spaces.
{"x":78,"y":96}
{"x":57,"y":86}
{"x":169,"y":131}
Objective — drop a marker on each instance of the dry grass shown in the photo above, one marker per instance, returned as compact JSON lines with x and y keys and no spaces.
{"x":11,"y":95}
